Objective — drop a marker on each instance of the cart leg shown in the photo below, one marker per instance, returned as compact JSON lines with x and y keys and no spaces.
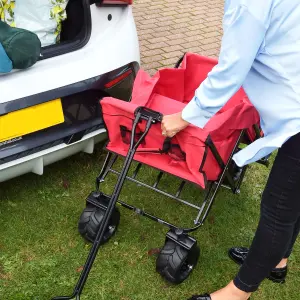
{"x":241,"y":178}
{"x":222,"y":176}
{"x":108,"y":163}
{"x":206,"y":199}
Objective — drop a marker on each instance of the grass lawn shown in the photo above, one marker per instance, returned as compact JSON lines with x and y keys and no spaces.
{"x":41,"y":252}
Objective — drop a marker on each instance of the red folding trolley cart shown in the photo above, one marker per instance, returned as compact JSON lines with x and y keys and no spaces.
{"x":198,"y":156}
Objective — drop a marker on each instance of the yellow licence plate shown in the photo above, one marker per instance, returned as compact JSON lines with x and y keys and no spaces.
{"x":31,"y":119}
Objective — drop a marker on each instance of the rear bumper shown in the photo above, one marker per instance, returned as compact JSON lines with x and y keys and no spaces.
{"x":36,"y":162}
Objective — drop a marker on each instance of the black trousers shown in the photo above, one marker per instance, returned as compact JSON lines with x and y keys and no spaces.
{"x":279,"y":223}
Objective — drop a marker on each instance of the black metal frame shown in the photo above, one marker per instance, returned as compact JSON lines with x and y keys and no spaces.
{"x":211,"y":190}
{"x":177,"y":234}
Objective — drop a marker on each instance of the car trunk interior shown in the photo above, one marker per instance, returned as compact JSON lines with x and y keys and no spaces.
{"x":76,"y":30}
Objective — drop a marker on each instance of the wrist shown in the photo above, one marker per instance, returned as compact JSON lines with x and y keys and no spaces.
{"x":183,"y":121}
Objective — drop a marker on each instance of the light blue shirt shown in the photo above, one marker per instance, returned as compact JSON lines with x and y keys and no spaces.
{"x":261,"y":52}
{"x":5,"y":62}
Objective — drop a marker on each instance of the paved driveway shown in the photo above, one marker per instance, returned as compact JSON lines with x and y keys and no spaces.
{"x":168,"y":28}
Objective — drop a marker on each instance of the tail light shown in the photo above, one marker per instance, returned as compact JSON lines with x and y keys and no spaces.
{"x":117,"y":2}
{"x":118,"y":79}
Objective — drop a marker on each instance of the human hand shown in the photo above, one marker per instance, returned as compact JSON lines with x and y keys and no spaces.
{"x":172,"y":124}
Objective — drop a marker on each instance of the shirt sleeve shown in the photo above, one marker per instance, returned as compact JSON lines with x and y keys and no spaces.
{"x":242,"y":39}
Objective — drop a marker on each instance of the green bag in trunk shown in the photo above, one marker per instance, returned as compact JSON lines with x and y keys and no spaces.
{"x":22,"y":46}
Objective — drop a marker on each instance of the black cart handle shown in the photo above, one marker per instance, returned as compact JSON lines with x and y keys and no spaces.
{"x":147,"y":113}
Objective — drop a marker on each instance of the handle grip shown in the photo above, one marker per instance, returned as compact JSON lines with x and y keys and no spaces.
{"x":147,"y":113}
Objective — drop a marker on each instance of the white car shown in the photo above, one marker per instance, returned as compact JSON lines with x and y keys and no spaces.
{"x":51,"y":111}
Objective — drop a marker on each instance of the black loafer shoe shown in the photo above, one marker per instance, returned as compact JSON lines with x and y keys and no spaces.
{"x":239,"y":254}
{"x":278,"y":275}
{"x":201,"y":297}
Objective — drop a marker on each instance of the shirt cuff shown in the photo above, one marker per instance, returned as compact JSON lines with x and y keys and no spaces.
{"x":193,"y":114}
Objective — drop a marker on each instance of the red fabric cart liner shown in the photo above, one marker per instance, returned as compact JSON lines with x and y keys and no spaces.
{"x":167,"y":92}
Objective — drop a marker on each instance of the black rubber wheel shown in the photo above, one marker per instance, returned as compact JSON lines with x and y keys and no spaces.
{"x":90,"y":221}
{"x":175,"y":263}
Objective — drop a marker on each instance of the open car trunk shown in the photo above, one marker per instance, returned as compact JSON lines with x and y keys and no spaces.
{"x":76,"y":29}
